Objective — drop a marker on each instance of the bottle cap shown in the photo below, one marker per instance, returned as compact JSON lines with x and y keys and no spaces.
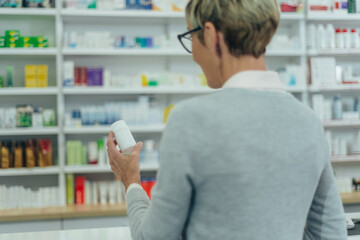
{"x":118,"y":125}
{"x":344,"y":30}
{"x":338,"y":30}
{"x":353,"y":30}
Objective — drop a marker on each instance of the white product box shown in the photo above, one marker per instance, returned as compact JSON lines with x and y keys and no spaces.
{"x":323,"y":71}
{"x":9,"y":118}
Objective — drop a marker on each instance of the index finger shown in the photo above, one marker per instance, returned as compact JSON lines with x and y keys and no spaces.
{"x":110,"y":142}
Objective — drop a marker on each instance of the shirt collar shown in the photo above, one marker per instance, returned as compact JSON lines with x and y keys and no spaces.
{"x":259,"y":80}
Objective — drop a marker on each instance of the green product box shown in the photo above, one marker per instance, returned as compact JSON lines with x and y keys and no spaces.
{"x":2,"y":42}
{"x":12,"y":34}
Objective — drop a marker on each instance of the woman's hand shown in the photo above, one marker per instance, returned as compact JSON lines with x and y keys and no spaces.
{"x":127,"y":168}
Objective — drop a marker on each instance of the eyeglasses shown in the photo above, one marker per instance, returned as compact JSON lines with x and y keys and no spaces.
{"x":186,"y":39}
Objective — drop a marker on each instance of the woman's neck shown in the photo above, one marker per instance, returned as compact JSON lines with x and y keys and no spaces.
{"x":232,"y":65}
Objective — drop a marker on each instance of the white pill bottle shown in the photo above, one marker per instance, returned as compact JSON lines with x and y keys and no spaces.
{"x":123,"y":136}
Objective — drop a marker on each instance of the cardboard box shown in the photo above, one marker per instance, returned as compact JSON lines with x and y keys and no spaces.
{"x":42,"y":76}
{"x":30,"y":76}
{"x":2,"y":42}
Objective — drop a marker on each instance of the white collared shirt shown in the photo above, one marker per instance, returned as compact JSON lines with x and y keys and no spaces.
{"x":257,"y":80}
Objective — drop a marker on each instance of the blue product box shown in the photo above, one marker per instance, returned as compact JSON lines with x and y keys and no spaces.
{"x":132,"y":4}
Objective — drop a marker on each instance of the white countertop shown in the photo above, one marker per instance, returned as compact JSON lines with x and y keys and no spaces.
{"x":122,"y":233}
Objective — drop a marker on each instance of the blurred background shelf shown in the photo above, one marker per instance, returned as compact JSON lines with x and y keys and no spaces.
{"x":30,"y":171}
{"x":106,"y":169}
{"x":335,"y":88}
{"x":28,"y":11}
{"x":345,"y":159}
{"x":29,"y":51}
{"x":155,"y":90}
{"x":29,"y":131}
{"x":106,"y":129}
{"x":125,"y":52}
{"x":29,"y":91}
{"x":341,"y":123}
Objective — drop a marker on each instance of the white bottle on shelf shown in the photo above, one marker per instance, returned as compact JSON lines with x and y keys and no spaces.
{"x":321,"y":36}
{"x":330,"y":36}
{"x":311,"y":37}
{"x":340,"y":42}
{"x":347,"y":38}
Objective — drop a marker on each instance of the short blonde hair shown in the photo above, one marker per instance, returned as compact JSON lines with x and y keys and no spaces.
{"x":248,"y":25}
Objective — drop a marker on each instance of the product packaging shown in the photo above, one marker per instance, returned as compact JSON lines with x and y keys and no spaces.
{"x":351,"y":6}
{"x":5,"y":155}
{"x":10,"y":118}
{"x":45,"y":158}
{"x":42,"y":76}
{"x":2,"y":117}
{"x":30,"y":76}
{"x":94,"y":77}
{"x":11,"y":38}
{"x":30,"y":152}
{"x":161,"y":5}
{"x":9,"y":76}
{"x":93,"y":153}
{"x":19,"y":155}
{"x":70,"y":199}
{"x":37,"y":117}
{"x":101,"y":152}
{"x":2,"y":42}
{"x":49,"y":118}
{"x":180,"y":5}
{"x":24,"y":116}
{"x":123,"y":136}
{"x":69,"y":67}
{"x":79,"y":190}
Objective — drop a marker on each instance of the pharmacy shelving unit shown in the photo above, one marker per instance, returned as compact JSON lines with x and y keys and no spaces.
{"x":344,"y":166}
{"x":68,"y":19}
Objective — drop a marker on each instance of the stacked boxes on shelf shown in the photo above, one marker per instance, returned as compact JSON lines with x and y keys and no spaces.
{"x":94,"y":153}
{"x":156,"y":5}
{"x":142,"y":112}
{"x":19,"y":197}
{"x":99,"y":76}
{"x":13,"y":39}
{"x":25,"y":116}
{"x":30,"y":153}
{"x":27,"y":4}
{"x":36,"y":76}
{"x":338,"y":7}
{"x":80,"y":191}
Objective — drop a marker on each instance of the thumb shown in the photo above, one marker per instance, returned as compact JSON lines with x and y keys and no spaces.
{"x":137,"y":148}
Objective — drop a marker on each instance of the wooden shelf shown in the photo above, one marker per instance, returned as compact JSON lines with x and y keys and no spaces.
{"x":345,"y":159}
{"x":342,"y":123}
{"x":350,"y":198}
{"x":13,"y":215}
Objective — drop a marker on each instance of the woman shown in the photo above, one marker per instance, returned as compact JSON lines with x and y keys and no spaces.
{"x":246,"y":162}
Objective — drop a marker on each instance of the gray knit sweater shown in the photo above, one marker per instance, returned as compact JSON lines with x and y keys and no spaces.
{"x":241,"y":164}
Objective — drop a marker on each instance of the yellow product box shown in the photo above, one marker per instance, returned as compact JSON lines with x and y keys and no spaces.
{"x":167,"y":111}
{"x":178,"y":5}
{"x":161,"y":5}
{"x":42,"y":76}
{"x":30,"y":76}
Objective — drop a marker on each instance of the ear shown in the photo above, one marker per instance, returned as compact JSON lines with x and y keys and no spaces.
{"x":211,"y":39}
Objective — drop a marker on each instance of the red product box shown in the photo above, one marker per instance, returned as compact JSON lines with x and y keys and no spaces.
{"x":147,"y":185}
{"x":83,"y":76}
{"x":80,"y":190}
{"x":77,"y":79}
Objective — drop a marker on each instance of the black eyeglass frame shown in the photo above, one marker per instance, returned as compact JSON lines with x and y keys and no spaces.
{"x":180,"y":36}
